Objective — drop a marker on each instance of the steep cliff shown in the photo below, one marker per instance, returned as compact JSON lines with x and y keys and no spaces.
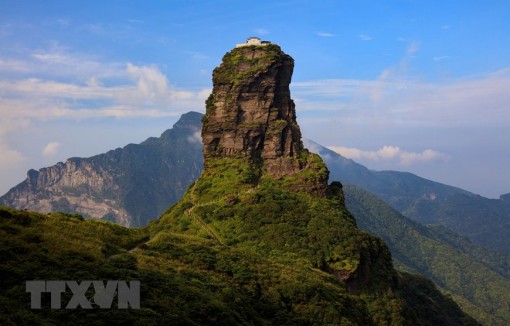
{"x":265,"y":197}
{"x":130,"y":185}
{"x":251,"y":115}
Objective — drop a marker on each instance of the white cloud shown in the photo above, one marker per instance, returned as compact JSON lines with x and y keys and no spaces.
{"x":325,"y":34}
{"x":412,"y":48}
{"x":152,"y":85}
{"x":391,"y":154}
{"x":398,"y":99}
{"x":58,"y":85}
{"x":440,"y":58}
{"x":13,"y":65}
{"x":97,"y":28}
{"x":365,"y":37}
{"x":199,"y":56}
{"x":52,"y":91}
{"x":51,"y":149}
{"x":59,"y":63}
{"x":204,"y":93}
{"x":11,"y":166}
{"x":261,"y":31}
{"x":196,"y":137}
{"x":63,"y":22}
{"x":408,"y":158}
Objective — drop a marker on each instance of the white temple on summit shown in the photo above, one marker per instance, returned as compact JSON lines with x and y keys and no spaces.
{"x":253,"y":41}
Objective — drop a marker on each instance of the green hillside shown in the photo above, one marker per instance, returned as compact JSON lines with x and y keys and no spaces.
{"x":476,"y":278}
{"x":272,"y":257}
{"x":485,"y":221}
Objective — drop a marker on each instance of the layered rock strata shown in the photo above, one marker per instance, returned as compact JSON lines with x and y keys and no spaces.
{"x":250,"y":112}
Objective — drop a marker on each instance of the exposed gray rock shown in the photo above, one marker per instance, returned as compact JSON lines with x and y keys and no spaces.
{"x":130,"y":185}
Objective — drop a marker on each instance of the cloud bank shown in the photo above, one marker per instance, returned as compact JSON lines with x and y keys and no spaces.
{"x":391,"y":154}
{"x":56,"y":85}
{"x":398,"y":100}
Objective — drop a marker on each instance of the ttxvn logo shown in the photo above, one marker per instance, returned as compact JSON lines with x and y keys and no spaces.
{"x":103,"y":294}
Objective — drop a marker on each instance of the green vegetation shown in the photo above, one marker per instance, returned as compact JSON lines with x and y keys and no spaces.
{"x":484,"y":221}
{"x":209,"y":107}
{"x":478,"y":280}
{"x":225,"y":176}
{"x":263,"y":219}
{"x":273,"y":256}
{"x":237,"y":66}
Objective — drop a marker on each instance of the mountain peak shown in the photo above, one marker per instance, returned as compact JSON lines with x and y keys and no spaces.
{"x":251,"y":115}
{"x":189,"y":119}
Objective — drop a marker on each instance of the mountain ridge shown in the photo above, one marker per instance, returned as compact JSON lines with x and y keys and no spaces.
{"x":378,"y":182}
{"x":115,"y":185}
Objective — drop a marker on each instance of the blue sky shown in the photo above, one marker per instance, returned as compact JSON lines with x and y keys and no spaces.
{"x":419,"y":86}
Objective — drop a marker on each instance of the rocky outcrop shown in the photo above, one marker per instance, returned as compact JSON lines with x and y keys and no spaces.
{"x":130,"y":185}
{"x":250,"y":112}
{"x":76,"y":186}
{"x":262,"y":192}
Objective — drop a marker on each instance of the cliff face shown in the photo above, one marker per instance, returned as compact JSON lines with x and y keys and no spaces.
{"x":250,"y":112}
{"x":78,"y":185}
{"x":130,"y":185}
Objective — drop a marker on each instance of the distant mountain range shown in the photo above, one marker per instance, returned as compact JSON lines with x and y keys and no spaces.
{"x":482,"y":220}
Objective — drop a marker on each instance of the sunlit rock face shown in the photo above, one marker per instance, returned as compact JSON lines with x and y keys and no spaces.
{"x":250,"y":112}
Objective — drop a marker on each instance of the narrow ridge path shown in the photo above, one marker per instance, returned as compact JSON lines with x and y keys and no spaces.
{"x":202,"y":224}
